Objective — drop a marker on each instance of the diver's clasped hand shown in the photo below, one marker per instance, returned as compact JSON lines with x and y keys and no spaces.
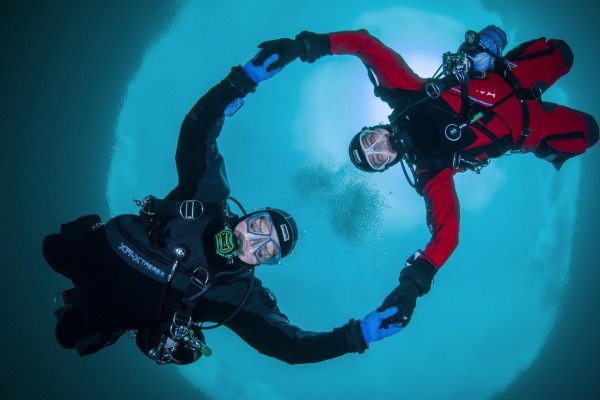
{"x":415,"y":281}
{"x":286,"y":49}
{"x":308,"y":46}
{"x":371,"y":325}
{"x":404,"y":299}
{"x":256,"y":72}
{"x":262,"y":68}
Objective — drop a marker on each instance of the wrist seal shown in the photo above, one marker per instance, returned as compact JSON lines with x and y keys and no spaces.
{"x":315,"y":46}
{"x":354,"y":338}
{"x":240,"y":81}
{"x":420,"y":272}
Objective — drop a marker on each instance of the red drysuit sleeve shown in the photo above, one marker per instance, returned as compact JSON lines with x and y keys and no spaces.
{"x":388,"y":66}
{"x":443,"y":216}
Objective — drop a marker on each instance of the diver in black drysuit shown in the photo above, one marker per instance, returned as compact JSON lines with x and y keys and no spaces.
{"x":134,"y":272}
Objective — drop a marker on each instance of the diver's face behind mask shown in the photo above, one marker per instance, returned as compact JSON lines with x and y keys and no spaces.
{"x":377,"y":148}
{"x":260,"y":242}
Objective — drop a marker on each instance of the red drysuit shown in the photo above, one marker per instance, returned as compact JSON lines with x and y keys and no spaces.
{"x":513,"y":119}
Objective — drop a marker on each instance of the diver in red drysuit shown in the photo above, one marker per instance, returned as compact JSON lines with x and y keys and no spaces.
{"x":483,"y":106}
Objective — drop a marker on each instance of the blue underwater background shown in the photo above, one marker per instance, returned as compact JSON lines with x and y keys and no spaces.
{"x":92,"y":99}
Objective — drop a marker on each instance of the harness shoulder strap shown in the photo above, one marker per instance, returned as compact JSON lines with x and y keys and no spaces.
{"x":523,"y":95}
{"x":186,"y":209}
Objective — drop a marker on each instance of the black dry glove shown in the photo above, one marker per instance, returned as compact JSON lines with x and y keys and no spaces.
{"x":415,"y":281}
{"x":308,"y":46}
{"x":287,"y":49}
{"x":404,"y":297}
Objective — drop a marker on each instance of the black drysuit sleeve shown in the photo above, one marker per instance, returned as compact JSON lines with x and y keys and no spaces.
{"x":262,"y":325}
{"x":200,"y":167}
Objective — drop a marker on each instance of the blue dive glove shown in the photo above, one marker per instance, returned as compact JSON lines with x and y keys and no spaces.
{"x":259,"y":73}
{"x":371,"y":325}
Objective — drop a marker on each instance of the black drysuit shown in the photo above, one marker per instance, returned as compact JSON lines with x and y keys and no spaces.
{"x":120,"y":272}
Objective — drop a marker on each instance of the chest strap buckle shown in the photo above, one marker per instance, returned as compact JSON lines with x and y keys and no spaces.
{"x":191,"y":209}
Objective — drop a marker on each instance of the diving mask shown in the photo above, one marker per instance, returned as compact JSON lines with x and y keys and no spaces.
{"x":375,"y":146}
{"x":259,"y":240}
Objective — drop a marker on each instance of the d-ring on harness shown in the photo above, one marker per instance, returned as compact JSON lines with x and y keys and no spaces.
{"x":178,"y":333}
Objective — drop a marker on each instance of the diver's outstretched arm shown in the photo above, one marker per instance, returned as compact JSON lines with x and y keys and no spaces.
{"x":390,"y":69}
{"x":200,"y":166}
{"x":262,"y":325}
{"x":443,"y":218}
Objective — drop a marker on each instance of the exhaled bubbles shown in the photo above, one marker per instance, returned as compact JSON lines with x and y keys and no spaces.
{"x":344,"y":197}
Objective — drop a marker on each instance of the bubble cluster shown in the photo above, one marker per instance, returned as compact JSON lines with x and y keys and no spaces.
{"x":350,"y":202}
